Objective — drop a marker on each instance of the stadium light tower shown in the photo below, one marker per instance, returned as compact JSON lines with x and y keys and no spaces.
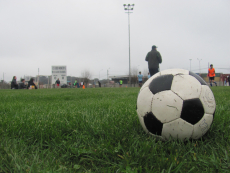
{"x":199,"y":62}
{"x":129,"y":8}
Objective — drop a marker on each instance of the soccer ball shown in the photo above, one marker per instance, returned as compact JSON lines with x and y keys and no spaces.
{"x":176,"y":103}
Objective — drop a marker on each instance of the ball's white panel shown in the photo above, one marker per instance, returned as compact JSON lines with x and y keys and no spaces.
{"x":144,"y":101}
{"x":178,"y":129}
{"x":200,"y":128}
{"x":207,"y":99}
{"x":166,"y":106}
{"x":146,"y":84}
{"x":174,"y":71}
{"x":186,"y":86}
{"x":141,"y":119}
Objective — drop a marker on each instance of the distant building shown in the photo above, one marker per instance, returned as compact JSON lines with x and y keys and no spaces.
{"x":59,"y":72}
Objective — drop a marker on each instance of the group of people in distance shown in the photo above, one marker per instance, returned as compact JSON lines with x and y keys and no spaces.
{"x":140,"y":78}
{"x":154,"y":59}
{"x":77,"y":85}
{"x":22,"y":85}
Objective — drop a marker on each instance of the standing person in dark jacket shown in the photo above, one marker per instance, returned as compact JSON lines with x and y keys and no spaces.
{"x":22,"y":84}
{"x":57,"y":82}
{"x":154,"y":59}
{"x":14,"y":84}
{"x":31,"y":84}
{"x":99,"y":83}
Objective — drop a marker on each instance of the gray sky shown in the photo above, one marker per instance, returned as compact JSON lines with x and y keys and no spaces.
{"x":93,"y":35}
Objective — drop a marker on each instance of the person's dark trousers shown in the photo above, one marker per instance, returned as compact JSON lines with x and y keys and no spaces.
{"x":15,"y":87}
{"x":153,"y":71}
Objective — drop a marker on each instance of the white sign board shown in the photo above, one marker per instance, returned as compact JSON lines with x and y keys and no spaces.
{"x":59,"y":72}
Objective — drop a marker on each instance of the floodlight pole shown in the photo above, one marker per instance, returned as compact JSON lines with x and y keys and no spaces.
{"x":190,"y":63}
{"x":199,"y":62}
{"x":129,"y":8}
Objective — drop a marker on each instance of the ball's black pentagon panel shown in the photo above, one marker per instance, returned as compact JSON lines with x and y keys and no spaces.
{"x":153,"y":125}
{"x":198,"y":78}
{"x":192,"y":111}
{"x":161,"y":83}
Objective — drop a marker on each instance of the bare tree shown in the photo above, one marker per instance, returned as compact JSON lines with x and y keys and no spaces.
{"x":4,"y":85}
{"x":145,"y":74}
{"x":134,"y":73}
{"x":86,"y":75}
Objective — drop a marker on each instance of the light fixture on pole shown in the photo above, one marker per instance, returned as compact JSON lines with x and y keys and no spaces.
{"x":199,"y":63}
{"x":190,"y":63}
{"x":129,"y":8}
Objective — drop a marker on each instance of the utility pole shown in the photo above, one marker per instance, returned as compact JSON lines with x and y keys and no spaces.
{"x":129,"y":8}
{"x":108,"y":76}
{"x":190,"y":64}
{"x":199,"y":62}
{"x":38,"y":78}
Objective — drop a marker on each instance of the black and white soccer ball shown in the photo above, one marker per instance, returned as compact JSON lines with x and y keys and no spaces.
{"x":176,"y":103}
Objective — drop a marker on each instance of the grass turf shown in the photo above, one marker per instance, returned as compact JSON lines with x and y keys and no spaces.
{"x":97,"y":130}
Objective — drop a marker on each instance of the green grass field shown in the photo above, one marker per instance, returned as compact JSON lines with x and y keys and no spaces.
{"x":97,"y":130}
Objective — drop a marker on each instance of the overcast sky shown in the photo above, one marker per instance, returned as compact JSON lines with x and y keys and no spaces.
{"x":93,"y":35}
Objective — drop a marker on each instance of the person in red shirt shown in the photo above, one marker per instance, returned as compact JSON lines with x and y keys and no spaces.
{"x":211,"y":75}
{"x":57,"y":82}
